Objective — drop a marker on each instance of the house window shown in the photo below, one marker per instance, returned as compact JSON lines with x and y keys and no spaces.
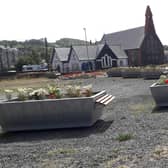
{"x":106,"y":57}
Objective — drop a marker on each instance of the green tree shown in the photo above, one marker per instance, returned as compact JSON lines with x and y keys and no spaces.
{"x":23,"y":61}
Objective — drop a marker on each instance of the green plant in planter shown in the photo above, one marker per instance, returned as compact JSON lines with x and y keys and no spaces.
{"x":51,"y":92}
{"x":162,"y":80}
{"x":54,"y":92}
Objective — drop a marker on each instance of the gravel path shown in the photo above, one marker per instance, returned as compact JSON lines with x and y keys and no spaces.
{"x":131,"y":134}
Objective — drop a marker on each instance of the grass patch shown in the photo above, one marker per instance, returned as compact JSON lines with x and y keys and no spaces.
{"x":145,"y":107}
{"x":124,"y":137}
{"x":32,"y":82}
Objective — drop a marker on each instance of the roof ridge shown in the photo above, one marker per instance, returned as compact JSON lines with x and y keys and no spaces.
{"x":126,"y":30}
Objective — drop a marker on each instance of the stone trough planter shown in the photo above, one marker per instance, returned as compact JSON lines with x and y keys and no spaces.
{"x":114,"y":74}
{"x":160,"y":94}
{"x":151,"y":75}
{"x":128,"y":74}
{"x":52,"y":113}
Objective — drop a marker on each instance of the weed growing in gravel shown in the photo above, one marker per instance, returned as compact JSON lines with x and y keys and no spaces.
{"x":114,"y":162}
{"x":160,"y":152}
{"x":123,"y":166}
{"x":62,"y":151}
{"x":124,"y":137}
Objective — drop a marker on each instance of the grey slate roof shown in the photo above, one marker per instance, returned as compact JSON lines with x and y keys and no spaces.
{"x":118,"y":51}
{"x":93,"y":50}
{"x":127,"y":39}
{"x":62,"y":53}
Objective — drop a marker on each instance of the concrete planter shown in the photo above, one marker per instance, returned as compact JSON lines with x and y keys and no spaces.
{"x":51,"y":113}
{"x":151,"y":75}
{"x":160,"y":94}
{"x":114,"y":73}
{"x":127,"y":74}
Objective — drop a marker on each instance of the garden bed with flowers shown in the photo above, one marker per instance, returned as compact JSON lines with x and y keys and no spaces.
{"x":159,"y":91}
{"x":51,"y":107}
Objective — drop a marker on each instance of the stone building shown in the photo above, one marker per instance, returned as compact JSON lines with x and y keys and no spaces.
{"x":87,"y":58}
{"x":8,"y":58}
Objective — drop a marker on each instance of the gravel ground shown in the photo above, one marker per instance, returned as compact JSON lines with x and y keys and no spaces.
{"x":132,"y":133}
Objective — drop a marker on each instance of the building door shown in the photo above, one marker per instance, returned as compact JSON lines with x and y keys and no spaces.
{"x":75,"y":67}
{"x":98,"y":64}
{"x":114,"y":63}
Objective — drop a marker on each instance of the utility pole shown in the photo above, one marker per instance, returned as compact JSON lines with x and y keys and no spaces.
{"x":87,"y":48}
{"x":7,"y":57}
{"x":1,"y":61}
{"x":46,"y":53}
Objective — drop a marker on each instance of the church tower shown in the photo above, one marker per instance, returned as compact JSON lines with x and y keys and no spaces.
{"x":149,"y":25}
{"x":151,"y":48}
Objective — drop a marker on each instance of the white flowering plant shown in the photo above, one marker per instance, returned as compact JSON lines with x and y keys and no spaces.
{"x":50,"y":92}
{"x":38,"y":94}
{"x":77,"y":91}
{"x":8,"y":94}
{"x":23,"y":93}
{"x":87,"y":90}
{"x":73,"y":91}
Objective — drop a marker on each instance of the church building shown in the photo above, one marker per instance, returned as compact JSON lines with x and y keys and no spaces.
{"x":142,"y":45}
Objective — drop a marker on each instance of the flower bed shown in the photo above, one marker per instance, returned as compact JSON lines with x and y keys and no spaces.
{"x":159,"y":91}
{"x":34,"y":110}
{"x":49,"y":92}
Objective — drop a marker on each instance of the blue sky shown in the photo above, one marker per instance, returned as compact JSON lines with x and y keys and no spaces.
{"x":55,"y":19}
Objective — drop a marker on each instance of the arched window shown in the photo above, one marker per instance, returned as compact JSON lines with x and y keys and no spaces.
{"x":106,"y":61}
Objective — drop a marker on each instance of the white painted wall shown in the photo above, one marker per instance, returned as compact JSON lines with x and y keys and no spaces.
{"x":65,"y":68}
{"x":122,"y":62}
{"x":56,"y":62}
{"x":74,"y":63}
